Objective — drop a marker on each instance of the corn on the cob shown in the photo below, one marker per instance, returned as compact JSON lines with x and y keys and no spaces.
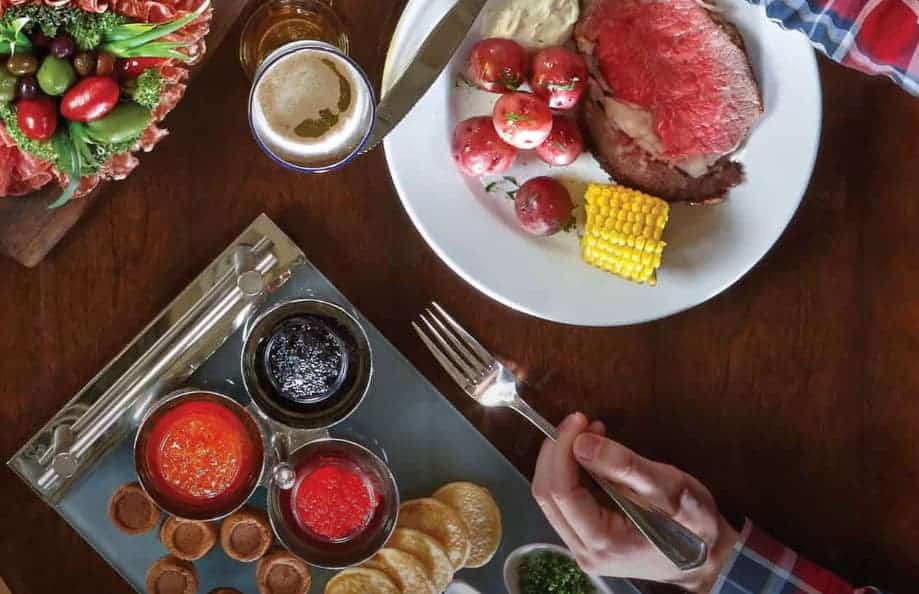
{"x":623,"y":232}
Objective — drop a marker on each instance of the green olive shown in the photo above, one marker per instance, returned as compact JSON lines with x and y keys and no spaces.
{"x":124,"y":122}
{"x":56,"y":76}
{"x":7,"y":86}
{"x":20,"y":64}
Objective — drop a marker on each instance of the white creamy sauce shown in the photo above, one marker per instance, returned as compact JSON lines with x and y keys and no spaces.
{"x":534,"y":24}
{"x":301,"y":87}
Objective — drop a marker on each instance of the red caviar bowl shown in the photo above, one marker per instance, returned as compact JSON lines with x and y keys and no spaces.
{"x":199,"y":454}
{"x":335,"y":550}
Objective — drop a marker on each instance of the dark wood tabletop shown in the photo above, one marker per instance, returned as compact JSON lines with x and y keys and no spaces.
{"x":794,"y":395}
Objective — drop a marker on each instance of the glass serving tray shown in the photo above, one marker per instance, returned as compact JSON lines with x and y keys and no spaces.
{"x":84,"y":453}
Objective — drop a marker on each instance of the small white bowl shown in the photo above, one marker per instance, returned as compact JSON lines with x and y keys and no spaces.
{"x":512,"y":567}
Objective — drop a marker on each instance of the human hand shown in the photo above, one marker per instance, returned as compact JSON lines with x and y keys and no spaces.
{"x":605,"y":542}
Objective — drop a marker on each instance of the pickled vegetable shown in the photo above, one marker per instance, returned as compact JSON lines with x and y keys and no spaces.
{"x":90,"y":99}
{"x":123,"y":123}
{"x":56,"y":75}
{"x":84,"y":63}
{"x":20,"y":64}
{"x":62,"y":46}
{"x":8,"y":84}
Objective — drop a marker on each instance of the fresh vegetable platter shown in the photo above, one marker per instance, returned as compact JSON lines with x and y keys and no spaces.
{"x":84,"y":84}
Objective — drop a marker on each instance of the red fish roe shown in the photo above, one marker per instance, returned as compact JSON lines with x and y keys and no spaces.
{"x":200,"y":450}
{"x":333,"y":501}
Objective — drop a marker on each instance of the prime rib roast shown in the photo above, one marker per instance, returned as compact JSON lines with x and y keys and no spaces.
{"x":671,"y":96}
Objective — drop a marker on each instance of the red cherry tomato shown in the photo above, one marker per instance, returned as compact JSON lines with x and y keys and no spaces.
{"x":543,"y":206}
{"x":565,"y":143}
{"x":559,"y":77}
{"x":37,"y":117}
{"x":497,"y":65}
{"x":477,"y":149}
{"x":131,"y":68}
{"x":90,"y":99}
{"x":522,"y":120}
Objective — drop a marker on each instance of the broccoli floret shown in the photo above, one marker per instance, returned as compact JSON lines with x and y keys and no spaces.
{"x":48,"y":18}
{"x":89,"y":29}
{"x":146,"y":89}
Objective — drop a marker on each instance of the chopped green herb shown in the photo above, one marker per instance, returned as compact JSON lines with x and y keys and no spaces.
{"x":568,"y":86}
{"x":570,"y":225}
{"x":551,"y":573}
{"x":491,"y":187}
{"x":512,"y":180}
{"x":509,"y":80}
{"x":516,"y":117}
{"x":512,"y":194}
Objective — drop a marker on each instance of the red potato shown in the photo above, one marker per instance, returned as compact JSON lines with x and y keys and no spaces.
{"x":559,"y":77}
{"x":565,"y":143}
{"x":478,"y":150}
{"x":522,"y":120}
{"x":543,"y":206}
{"x":497,"y":65}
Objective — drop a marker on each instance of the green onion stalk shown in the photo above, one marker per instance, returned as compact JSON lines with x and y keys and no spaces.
{"x":139,"y":40}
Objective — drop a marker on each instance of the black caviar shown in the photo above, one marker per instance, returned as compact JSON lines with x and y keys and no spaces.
{"x":306,"y":359}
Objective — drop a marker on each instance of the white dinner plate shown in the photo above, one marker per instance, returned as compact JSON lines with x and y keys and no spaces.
{"x":709,"y":247}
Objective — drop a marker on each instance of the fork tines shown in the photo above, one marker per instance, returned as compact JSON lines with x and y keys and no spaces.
{"x":460,"y":354}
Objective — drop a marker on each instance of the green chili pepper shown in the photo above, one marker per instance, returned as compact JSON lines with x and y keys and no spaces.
{"x":122,"y":123}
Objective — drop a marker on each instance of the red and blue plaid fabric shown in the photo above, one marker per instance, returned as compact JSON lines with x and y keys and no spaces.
{"x":760,"y":565}
{"x":874,"y":36}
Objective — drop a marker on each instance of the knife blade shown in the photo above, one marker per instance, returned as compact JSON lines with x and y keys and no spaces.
{"x":436,"y":51}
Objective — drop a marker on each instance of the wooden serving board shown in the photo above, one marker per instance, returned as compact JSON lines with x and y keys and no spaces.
{"x":28,"y":230}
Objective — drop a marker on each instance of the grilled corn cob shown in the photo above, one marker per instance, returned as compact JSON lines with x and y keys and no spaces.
{"x":623,"y":232}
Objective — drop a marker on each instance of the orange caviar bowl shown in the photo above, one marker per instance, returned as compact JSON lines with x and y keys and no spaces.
{"x":199,"y":454}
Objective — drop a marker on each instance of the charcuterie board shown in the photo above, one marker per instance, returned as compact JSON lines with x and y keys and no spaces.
{"x":28,"y":230}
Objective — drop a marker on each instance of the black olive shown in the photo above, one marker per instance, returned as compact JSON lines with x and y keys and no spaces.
{"x":27,"y":87}
{"x":40,"y":40}
{"x":62,"y":47}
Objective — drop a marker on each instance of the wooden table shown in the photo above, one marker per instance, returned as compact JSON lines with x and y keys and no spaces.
{"x":793,"y":395}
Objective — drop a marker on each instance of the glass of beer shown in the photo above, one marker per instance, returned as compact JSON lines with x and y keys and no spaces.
{"x":279,"y":22}
{"x":311,"y":106}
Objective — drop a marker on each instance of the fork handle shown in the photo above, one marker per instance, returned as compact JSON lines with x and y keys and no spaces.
{"x":676,"y":542}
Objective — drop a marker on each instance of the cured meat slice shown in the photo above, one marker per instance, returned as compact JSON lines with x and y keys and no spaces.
{"x":152,"y":135}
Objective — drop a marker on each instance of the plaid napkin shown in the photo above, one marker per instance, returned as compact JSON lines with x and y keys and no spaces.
{"x":874,"y":36}
{"x":761,"y":565}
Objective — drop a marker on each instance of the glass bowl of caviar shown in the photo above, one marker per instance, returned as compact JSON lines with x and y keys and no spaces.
{"x":306,"y":363}
{"x":199,"y":454}
{"x":343,"y":505}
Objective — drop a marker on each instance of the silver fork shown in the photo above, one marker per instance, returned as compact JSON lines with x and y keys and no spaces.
{"x":491,"y":384}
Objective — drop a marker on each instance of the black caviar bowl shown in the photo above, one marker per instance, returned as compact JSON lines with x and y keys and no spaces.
{"x":349,"y":390}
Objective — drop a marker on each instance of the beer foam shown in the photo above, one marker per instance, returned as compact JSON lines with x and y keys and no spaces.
{"x":312,"y":108}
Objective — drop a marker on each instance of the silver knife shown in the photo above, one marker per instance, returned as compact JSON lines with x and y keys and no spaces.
{"x":425,"y":67}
